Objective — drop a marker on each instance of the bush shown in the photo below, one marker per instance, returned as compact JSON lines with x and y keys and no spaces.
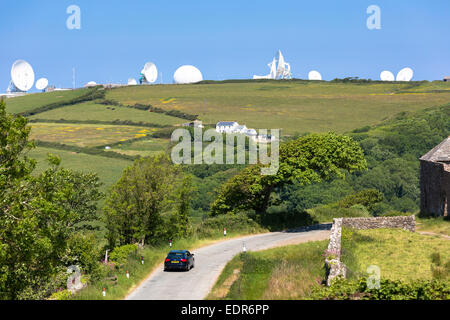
{"x":120,"y":254}
{"x":368,"y":198}
{"x":329,"y":212}
{"x":394,"y":213}
{"x":83,"y":251}
{"x":342,"y":289}
{"x":233,"y":223}
{"x":61,"y":295}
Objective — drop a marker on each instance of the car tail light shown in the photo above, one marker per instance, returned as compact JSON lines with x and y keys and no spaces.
{"x":183,"y":260}
{"x":167,"y":260}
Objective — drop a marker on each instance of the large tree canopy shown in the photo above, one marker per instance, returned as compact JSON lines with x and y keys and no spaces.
{"x":40,"y":215}
{"x":312,"y":158}
{"x":149,"y":195}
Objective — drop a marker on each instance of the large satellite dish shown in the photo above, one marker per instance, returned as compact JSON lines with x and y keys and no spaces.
{"x":405,"y":74}
{"x":387,"y":76}
{"x":150,"y":72}
{"x":314,"y":75}
{"x":41,"y":84}
{"x":22,"y":76}
{"x":90,"y":84}
{"x":132,"y":82}
{"x":187,"y":74}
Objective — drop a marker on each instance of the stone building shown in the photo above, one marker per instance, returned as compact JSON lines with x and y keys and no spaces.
{"x":435,"y":181}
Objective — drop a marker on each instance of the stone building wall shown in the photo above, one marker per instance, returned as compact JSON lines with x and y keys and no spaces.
{"x":434,"y":188}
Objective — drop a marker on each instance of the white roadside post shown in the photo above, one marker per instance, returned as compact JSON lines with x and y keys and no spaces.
{"x":106,"y":256}
{"x":104,"y":292}
{"x":224,"y":232}
{"x":170,"y":243}
{"x":244,"y":249}
{"x":128,"y":275}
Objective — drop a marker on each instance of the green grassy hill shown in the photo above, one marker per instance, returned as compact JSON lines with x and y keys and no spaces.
{"x":91,"y":111}
{"x":35,"y":100}
{"x":294,"y":106}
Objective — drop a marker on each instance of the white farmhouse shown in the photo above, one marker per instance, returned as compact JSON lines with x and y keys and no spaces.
{"x":226,"y":126}
{"x":242,"y":128}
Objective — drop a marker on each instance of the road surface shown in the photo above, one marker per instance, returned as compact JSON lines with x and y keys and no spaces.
{"x":209,"y":262}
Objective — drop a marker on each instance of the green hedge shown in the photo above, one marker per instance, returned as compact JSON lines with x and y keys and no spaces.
{"x":342,"y":289}
{"x":91,"y":151}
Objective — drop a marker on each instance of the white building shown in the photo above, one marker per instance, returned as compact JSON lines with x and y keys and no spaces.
{"x":226,"y":126}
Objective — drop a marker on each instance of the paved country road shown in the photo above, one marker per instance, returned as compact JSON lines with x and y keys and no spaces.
{"x":210,"y":260}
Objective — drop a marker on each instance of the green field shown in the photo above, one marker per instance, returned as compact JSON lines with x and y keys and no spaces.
{"x":109,"y":170}
{"x":35,"y":100}
{"x":144,"y":148}
{"x":400,"y":254}
{"x":90,"y":111}
{"x":86,"y":135}
{"x":293,"y":106}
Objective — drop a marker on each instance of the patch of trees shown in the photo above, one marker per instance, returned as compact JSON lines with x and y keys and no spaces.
{"x":149,"y":204}
{"x":309,"y":159}
{"x":41,"y":217}
{"x":392,"y":151}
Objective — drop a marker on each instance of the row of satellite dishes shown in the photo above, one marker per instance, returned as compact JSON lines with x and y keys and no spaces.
{"x":22,"y":78}
{"x":184,"y":74}
{"x":405,"y":74}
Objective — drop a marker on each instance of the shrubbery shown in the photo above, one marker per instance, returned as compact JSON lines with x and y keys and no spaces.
{"x":120,"y":254}
{"x":342,"y":289}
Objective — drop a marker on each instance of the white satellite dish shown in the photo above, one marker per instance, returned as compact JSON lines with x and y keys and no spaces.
{"x":187,"y":74}
{"x":22,"y":76}
{"x":132,"y":82}
{"x":387,"y":76}
{"x":150,"y":72}
{"x":405,"y":74}
{"x":90,"y":84}
{"x":41,"y":84}
{"x":314,"y":75}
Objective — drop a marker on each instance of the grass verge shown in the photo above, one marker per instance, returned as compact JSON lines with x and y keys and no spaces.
{"x":435,"y":225}
{"x":283,"y":273}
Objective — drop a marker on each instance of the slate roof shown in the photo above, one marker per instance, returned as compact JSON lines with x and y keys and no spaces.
{"x":226,"y":123}
{"x":440,"y":153}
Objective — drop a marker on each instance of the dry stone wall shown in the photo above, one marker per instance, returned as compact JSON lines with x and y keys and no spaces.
{"x":333,"y":264}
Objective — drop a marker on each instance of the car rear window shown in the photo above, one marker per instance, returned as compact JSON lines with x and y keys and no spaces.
{"x":176,"y":255}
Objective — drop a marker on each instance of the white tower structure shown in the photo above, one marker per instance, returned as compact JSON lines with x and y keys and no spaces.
{"x":280,"y":71}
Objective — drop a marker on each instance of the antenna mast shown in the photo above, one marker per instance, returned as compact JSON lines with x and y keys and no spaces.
{"x":73,"y":78}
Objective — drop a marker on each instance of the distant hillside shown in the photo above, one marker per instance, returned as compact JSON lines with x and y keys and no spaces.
{"x":295,"y":106}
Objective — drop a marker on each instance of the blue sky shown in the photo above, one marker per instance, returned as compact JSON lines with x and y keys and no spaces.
{"x":224,"y":39}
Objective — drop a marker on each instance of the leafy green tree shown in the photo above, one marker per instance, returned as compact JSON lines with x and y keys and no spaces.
{"x":38,"y":214}
{"x":145,"y":197}
{"x":312,"y":158}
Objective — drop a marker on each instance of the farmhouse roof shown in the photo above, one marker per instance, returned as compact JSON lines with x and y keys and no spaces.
{"x":440,"y":153}
{"x":226,"y":123}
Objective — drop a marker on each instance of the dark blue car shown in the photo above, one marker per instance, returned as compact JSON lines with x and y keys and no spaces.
{"x":179,"y":260}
